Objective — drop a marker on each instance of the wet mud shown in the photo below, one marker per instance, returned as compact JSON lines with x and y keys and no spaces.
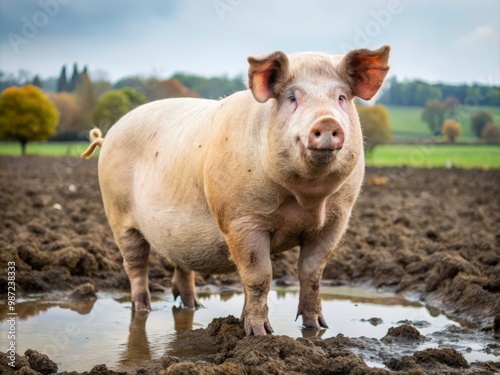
{"x":433,"y":235}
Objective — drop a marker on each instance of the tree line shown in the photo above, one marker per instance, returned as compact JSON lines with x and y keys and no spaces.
{"x":417,"y":93}
{"x":75,"y":103}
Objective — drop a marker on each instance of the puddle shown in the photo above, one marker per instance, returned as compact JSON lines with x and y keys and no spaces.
{"x":78,"y":335}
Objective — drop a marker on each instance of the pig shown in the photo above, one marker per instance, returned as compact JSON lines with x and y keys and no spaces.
{"x":218,"y":186}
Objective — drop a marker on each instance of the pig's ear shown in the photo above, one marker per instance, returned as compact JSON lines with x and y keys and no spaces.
{"x":365,"y":70}
{"x":267,"y":74}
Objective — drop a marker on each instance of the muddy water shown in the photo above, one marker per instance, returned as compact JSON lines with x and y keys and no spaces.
{"x":77,"y":335}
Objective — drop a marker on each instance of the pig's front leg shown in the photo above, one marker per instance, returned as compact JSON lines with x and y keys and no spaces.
{"x":314,"y":255}
{"x":250,"y":251}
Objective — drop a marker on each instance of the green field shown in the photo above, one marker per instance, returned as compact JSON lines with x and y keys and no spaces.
{"x":424,"y":155}
{"x":408,"y":125}
{"x":432,"y":155}
{"x":45,"y":148}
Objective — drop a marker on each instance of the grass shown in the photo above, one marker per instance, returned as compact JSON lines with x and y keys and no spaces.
{"x":45,"y":148}
{"x":425,"y":155}
{"x":408,"y":125}
{"x":431,"y":155}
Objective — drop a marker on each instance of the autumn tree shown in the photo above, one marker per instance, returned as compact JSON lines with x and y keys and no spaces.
{"x":451,"y":129}
{"x":26,"y":114}
{"x":433,"y":115}
{"x":69,"y":111}
{"x":113,"y":104}
{"x":478,"y":121}
{"x":491,"y":133}
{"x":376,"y":124}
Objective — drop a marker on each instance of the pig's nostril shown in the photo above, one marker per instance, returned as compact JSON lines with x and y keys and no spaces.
{"x":317,"y":133}
{"x":334,"y":134}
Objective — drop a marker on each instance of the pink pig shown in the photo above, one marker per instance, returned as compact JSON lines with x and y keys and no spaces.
{"x":218,"y":186}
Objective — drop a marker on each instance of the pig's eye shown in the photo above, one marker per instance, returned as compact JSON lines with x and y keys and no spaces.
{"x":292,"y":98}
{"x":342,"y":98}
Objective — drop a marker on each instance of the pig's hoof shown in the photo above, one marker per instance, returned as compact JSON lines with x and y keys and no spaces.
{"x":314,"y":322}
{"x":258,"y":329}
{"x":140,"y":302}
{"x":189,"y":300}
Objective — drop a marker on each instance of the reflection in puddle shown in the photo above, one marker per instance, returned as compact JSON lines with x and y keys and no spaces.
{"x":78,"y":335}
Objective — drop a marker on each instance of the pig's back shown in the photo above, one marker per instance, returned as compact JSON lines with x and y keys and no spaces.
{"x":160,"y":123}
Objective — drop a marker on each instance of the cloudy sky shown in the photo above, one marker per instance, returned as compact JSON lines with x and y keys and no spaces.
{"x":446,"y":40}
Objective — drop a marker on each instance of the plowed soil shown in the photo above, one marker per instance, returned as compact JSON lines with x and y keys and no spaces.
{"x":433,"y":234}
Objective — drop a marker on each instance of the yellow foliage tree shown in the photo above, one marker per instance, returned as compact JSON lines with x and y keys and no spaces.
{"x":376,"y":124}
{"x":451,"y":129}
{"x":26,"y":114}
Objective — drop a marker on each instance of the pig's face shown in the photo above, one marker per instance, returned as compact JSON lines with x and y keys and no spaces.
{"x":313,"y":111}
{"x":314,"y":127}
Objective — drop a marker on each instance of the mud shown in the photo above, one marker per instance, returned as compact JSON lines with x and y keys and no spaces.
{"x":429,"y":234}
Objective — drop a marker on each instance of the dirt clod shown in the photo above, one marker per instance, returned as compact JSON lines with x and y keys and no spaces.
{"x":85,"y":291}
{"x":449,"y":357}
{"x":40,"y":362}
{"x":402,"y":334}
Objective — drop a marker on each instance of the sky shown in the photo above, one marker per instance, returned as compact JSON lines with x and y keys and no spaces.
{"x":451,"y":41}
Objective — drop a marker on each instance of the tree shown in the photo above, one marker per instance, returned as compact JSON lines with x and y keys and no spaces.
{"x":491,"y":133}
{"x":376,"y":124}
{"x":136,"y":98}
{"x":478,"y":121}
{"x":62,"y":84}
{"x":113,"y":104}
{"x":451,"y":106}
{"x":75,"y":79}
{"x":417,"y":92}
{"x":36,"y":81}
{"x":69,"y":111}
{"x":433,"y":115}
{"x":452,"y":130}
{"x":87,"y":98}
{"x":26,"y":114}
{"x":424,"y":92}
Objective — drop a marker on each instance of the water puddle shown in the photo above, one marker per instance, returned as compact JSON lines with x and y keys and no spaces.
{"x":78,"y":335}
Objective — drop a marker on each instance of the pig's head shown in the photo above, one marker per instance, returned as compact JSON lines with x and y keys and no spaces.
{"x":313,"y":126}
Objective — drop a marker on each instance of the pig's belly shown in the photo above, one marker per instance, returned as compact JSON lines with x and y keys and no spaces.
{"x":190,"y":240}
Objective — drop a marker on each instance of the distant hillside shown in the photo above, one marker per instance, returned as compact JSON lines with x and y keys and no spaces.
{"x":157,"y":89}
{"x":211,"y":87}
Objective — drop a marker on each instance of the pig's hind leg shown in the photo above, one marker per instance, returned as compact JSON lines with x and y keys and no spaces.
{"x":183,"y":285}
{"x":135,"y":251}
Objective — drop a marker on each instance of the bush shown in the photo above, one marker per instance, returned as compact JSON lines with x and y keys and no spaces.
{"x":113,"y":104}
{"x":433,"y":115}
{"x":451,"y":129}
{"x":491,"y":133}
{"x":478,"y":121}
{"x":376,"y":124}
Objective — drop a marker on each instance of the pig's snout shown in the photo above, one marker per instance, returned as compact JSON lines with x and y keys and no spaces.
{"x":326,"y":135}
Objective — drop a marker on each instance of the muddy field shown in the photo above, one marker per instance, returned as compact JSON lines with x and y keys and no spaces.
{"x":430,"y":234}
